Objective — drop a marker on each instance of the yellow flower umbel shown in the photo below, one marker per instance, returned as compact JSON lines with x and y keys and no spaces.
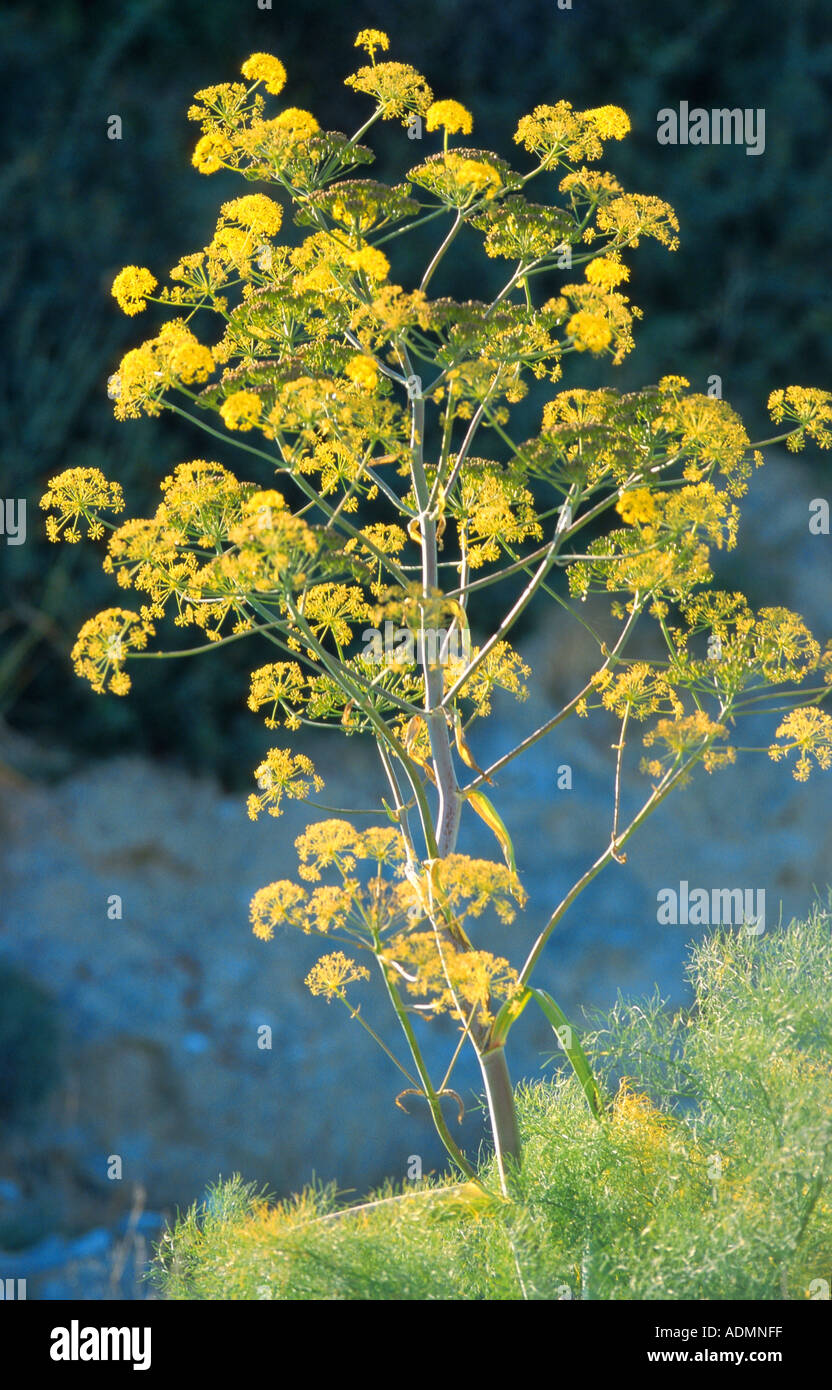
{"x":327,"y":843}
{"x":808,"y":730}
{"x":263,"y":67}
{"x":648,"y":1138}
{"x":606,"y":272}
{"x":131,"y":287}
{"x":332,"y":973}
{"x":687,"y":734}
{"x":282,"y":773}
{"x":809,"y":408}
{"x":633,"y":215}
{"x":589,"y":331}
{"x":144,"y":374}
{"x":103,"y":646}
{"x":557,"y":133}
{"x":371,"y":262}
{"x":280,"y":904}
{"x":371,"y":39}
{"x":241,"y":410}
{"x":363,"y":372}
{"x":464,"y":984}
{"x":296,"y":124}
{"x":77,"y":493}
{"x":637,"y":507}
{"x":450,"y":116}
{"x":610,"y":122}
{"x":397,"y":88}
{"x":280,"y":685}
{"x":458,"y":179}
{"x":637,"y":691}
{"x":254,"y":211}
{"x":211,"y":152}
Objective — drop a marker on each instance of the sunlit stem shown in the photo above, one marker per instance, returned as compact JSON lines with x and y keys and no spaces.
{"x":430,"y":1093}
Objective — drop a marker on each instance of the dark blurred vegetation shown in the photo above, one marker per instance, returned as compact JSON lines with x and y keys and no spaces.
{"x":747,"y":295}
{"x":29,"y":1044}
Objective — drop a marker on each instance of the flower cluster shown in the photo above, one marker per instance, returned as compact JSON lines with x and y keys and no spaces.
{"x":175,"y":357}
{"x":558,"y":134}
{"x":809,"y":408}
{"x":809,"y":731}
{"x":449,"y":116}
{"x":79,"y":493}
{"x":131,"y":287}
{"x":461,"y":983}
{"x":332,"y":973}
{"x":398,"y":90}
{"x":282,"y":773}
{"x":680,"y":738}
{"x":102,"y":647}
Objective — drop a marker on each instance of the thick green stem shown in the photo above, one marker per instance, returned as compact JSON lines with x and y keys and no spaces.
{"x":500,"y":1096}
{"x":450,"y":806}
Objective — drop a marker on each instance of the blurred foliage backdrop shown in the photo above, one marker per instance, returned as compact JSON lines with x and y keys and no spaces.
{"x":747,"y":296}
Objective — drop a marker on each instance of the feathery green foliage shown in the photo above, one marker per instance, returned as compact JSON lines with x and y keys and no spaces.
{"x":718,"y":1185}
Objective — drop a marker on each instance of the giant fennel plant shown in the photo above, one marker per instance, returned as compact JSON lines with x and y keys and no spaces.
{"x":385,"y":485}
